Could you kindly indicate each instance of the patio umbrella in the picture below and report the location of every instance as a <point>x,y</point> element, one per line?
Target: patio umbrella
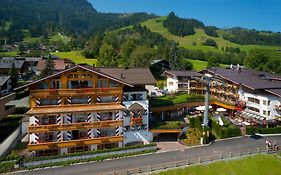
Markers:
<point>202,108</point>
<point>221,110</point>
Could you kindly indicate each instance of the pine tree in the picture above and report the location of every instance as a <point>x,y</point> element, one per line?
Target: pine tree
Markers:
<point>174,58</point>
<point>14,75</point>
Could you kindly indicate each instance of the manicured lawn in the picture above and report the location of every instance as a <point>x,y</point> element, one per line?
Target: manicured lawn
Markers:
<point>76,57</point>
<point>255,165</point>
<point>168,125</point>
<point>156,25</point>
<point>175,99</point>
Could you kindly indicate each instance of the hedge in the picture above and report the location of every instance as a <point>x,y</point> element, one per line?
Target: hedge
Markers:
<point>32,159</point>
<point>252,130</point>
<point>222,131</point>
<point>69,162</point>
<point>196,122</point>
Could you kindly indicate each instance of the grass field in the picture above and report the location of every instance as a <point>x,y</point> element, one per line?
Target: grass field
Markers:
<point>52,38</point>
<point>255,165</point>
<point>76,57</point>
<point>200,65</point>
<point>9,54</point>
<point>156,25</point>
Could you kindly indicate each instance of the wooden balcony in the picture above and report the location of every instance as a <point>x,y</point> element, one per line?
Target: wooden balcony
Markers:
<point>75,108</point>
<point>43,93</point>
<point>74,126</point>
<point>73,143</point>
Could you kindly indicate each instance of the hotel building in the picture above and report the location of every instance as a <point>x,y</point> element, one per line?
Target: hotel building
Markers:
<point>86,108</point>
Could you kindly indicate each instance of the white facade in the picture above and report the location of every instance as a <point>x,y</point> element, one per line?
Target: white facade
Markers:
<point>136,133</point>
<point>264,105</point>
<point>172,84</point>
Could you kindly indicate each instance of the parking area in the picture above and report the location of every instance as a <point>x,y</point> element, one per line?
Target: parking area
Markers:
<point>168,142</point>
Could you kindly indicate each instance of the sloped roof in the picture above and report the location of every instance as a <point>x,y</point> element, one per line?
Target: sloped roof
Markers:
<point>4,79</point>
<point>7,64</point>
<point>134,76</point>
<point>250,78</point>
<point>183,73</point>
<point>58,65</point>
<point>88,68</point>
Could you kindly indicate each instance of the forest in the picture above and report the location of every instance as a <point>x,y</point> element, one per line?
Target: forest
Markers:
<point>75,18</point>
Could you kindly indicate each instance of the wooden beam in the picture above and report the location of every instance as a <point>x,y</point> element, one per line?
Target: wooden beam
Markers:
<point>74,126</point>
<point>73,143</point>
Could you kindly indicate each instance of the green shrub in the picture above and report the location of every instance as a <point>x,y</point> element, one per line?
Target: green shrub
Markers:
<point>252,130</point>
<point>224,131</point>
<point>6,167</point>
<point>98,159</point>
<point>31,159</point>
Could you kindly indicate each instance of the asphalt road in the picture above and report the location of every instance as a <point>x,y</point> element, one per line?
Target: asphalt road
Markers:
<point>215,149</point>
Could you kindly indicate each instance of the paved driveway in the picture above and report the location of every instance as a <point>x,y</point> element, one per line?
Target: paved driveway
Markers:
<point>220,147</point>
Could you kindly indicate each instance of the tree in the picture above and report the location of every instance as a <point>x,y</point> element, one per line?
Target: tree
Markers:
<point>107,56</point>
<point>141,56</point>
<point>126,50</point>
<point>210,42</point>
<point>14,75</point>
<point>186,65</point>
<point>49,67</point>
<point>174,58</point>
<point>213,61</point>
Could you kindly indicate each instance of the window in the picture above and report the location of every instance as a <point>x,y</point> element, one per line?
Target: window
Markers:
<point>48,101</point>
<point>106,116</point>
<point>55,84</point>
<point>43,85</point>
<point>107,99</point>
<point>113,84</point>
<point>101,83</point>
<point>171,83</point>
<point>46,120</point>
<point>253,100</point>
<point>253,109</point>
<point>107,132</point>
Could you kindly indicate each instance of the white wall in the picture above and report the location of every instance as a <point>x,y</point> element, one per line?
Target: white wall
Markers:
<point>8,142</point>
<point>137,135</point>
<point>174,87</point>
<point>262,107</point>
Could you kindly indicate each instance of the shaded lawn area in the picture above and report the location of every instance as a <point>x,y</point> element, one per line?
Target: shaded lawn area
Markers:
<point>168,125</point>
<point>254,165</point>
<point>169,100</point>
<point>8,125</point>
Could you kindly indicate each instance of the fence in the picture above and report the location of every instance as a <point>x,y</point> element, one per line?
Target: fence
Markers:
<point>6,145</point>
<point>183,163</point>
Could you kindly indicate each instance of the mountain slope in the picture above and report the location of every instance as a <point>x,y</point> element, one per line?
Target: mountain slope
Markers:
<point>34,18</point>
<point>194,42</point>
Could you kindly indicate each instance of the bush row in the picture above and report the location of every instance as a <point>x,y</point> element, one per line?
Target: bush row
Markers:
<point>69,162</point>
<point>222,131</point>
<point>252,130</point>
<point>6,167</point>
<point>32,159</point>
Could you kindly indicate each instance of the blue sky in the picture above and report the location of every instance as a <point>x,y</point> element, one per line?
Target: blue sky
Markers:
<point>253,14</point>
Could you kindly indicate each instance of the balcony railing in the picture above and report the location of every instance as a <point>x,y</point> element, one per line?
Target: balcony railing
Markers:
<point>74,126</point>
<point>73,143</point>
<point>70,92</point>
